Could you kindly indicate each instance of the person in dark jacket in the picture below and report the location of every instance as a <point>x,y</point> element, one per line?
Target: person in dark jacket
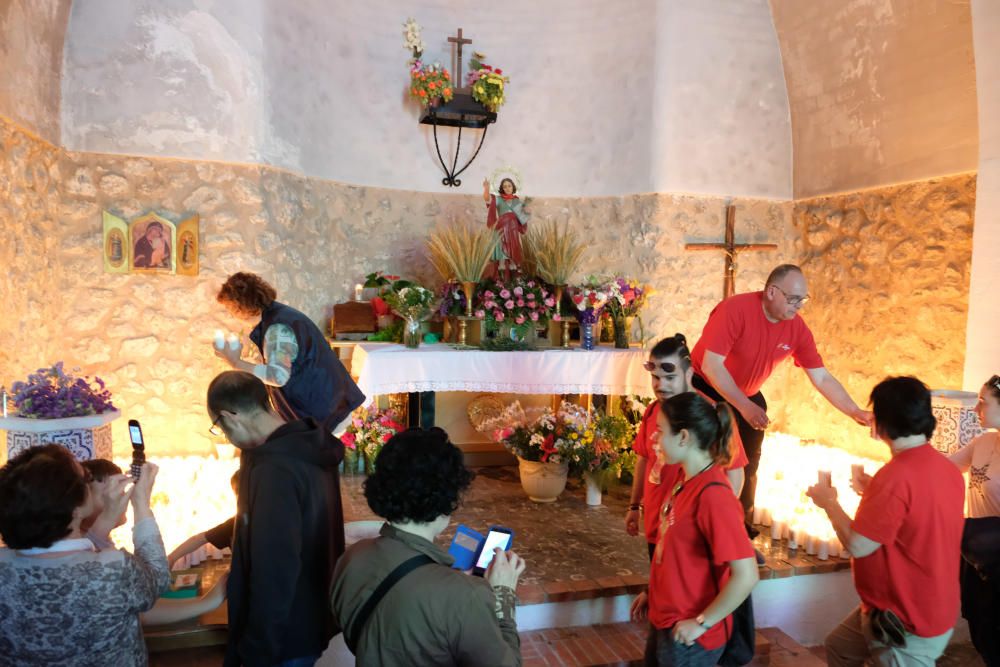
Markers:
<point>289,527</point>
<point>303,375</point>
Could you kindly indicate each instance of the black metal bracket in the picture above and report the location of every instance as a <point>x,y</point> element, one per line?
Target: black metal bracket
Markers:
<point>461,112</point>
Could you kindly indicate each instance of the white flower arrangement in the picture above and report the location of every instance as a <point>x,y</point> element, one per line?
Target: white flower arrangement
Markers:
<point>411,38</point>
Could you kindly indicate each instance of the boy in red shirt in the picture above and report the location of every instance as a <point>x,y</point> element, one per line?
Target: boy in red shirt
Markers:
<point>669,367</point>
<point>905,539</point>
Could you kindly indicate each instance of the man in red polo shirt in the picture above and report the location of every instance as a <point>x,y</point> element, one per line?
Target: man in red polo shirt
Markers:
<point>746,337</point>
<point>905,539</point>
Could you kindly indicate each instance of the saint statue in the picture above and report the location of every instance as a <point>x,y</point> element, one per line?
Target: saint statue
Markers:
<point>506,215</point>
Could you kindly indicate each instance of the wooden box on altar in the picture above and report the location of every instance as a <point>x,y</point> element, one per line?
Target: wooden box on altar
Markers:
<point>353,317</point>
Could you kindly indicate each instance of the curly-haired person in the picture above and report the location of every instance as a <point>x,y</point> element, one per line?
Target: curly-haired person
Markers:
<point>433,615</point>
<point>63,601</point>
<point>303,375</point>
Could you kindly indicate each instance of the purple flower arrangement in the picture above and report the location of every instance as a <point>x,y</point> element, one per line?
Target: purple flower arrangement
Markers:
<point>51,393</point>
<point>452,300</point>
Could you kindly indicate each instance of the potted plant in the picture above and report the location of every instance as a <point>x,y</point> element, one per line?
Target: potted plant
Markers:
<point>414,304</point>
<point>626,299</point>
<point>516,307</point>
<point>600,456</point>
<point>52,406</point>
<point>589,298</point>
<point>554,252</point>
<point>429,84</point>
<point>487,82</point>
<point>546,443</point>
<point>369,430</point>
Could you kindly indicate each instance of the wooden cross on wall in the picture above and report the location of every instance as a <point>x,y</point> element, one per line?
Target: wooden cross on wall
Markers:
<point>459,41</point>
<point>730,248</point>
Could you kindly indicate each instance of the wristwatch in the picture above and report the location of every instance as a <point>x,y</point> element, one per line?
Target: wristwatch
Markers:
<point>700,620</point>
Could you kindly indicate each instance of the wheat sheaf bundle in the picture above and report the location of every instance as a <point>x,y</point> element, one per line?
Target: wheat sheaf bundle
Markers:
<point>462,252</point>
<point>553,250</point>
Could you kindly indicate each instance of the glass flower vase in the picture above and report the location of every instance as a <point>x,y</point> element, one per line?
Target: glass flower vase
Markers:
<point>411,332</point>
<point>623,331</point>
<point>587,335</point>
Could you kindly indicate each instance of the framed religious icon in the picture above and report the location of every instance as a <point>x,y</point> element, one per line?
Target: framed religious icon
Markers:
<point>115,244</point>
<point>188,246</point>
<point>152,245</point>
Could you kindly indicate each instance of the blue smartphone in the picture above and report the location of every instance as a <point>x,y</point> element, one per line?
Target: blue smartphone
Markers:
<point>497,537</point>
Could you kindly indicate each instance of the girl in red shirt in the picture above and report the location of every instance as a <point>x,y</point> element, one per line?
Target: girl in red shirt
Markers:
<point>704,565</point>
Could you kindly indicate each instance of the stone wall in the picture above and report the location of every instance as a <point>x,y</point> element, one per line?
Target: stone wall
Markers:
<point>888,271</point>
<point>150,336</point>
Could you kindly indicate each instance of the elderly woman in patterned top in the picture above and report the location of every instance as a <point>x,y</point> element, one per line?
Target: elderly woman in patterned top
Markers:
<point>304,377</point>
<point>63,601</point>
<point>980,575</point>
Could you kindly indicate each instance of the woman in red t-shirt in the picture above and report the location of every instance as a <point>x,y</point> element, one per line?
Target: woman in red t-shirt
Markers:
<point>704,565</point>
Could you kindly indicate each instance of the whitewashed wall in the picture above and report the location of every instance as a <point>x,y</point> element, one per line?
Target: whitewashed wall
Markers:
<point>982,342</point>
<point>605,98</point>
<point>31,48</point>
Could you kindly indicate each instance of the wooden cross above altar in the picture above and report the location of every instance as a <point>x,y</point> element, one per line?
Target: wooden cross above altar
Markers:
<point>459,40</point>
<point>730,248</point>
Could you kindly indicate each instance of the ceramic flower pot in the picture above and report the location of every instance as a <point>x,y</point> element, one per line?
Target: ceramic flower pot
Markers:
<point>86,437</point>
<point>957,422</point>
<point>543,482</point>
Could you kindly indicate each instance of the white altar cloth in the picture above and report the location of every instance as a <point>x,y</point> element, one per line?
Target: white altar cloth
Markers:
<point>389,369</point>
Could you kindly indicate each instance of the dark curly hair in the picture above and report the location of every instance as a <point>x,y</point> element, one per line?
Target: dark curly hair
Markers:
<point>419,476</point>
<point>248,292</point>
<point>39,489</point>
<point>902,407</point>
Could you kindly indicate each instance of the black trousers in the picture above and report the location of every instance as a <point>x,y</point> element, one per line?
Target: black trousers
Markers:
<point>752,440</point>
<point>980,580</point>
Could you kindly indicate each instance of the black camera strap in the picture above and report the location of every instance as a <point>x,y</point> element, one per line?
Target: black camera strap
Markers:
<point>353,634</point>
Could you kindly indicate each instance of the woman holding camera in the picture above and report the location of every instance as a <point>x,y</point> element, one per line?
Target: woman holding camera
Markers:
<point>703,567</point>
<point>63,601</point>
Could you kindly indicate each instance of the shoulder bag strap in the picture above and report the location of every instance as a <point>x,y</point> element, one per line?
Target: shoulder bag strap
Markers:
<point>353,633</point>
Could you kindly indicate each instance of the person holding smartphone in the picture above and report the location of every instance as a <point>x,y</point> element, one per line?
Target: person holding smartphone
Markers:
<point>434,614</point>
<point>703,567</point>
<point>65,601</point>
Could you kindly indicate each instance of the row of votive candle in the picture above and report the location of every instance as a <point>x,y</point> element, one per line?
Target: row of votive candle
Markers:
<point>799,538</point>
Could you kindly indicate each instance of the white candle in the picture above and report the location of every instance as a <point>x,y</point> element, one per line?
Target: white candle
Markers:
<point>765,517</point>
<point>792,542</point>
<point>835,547</point>
<point>823,550</point>
<point>220,339</point>
<point>776,529</point>
<point>357,291</point>
<point>234,342</point>
<point>825,477</point>
<point>811,545</point>
<point>758,514</point>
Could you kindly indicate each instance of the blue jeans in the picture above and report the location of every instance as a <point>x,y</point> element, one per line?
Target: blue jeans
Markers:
<point>306,661</point>
<point>663,651</point>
